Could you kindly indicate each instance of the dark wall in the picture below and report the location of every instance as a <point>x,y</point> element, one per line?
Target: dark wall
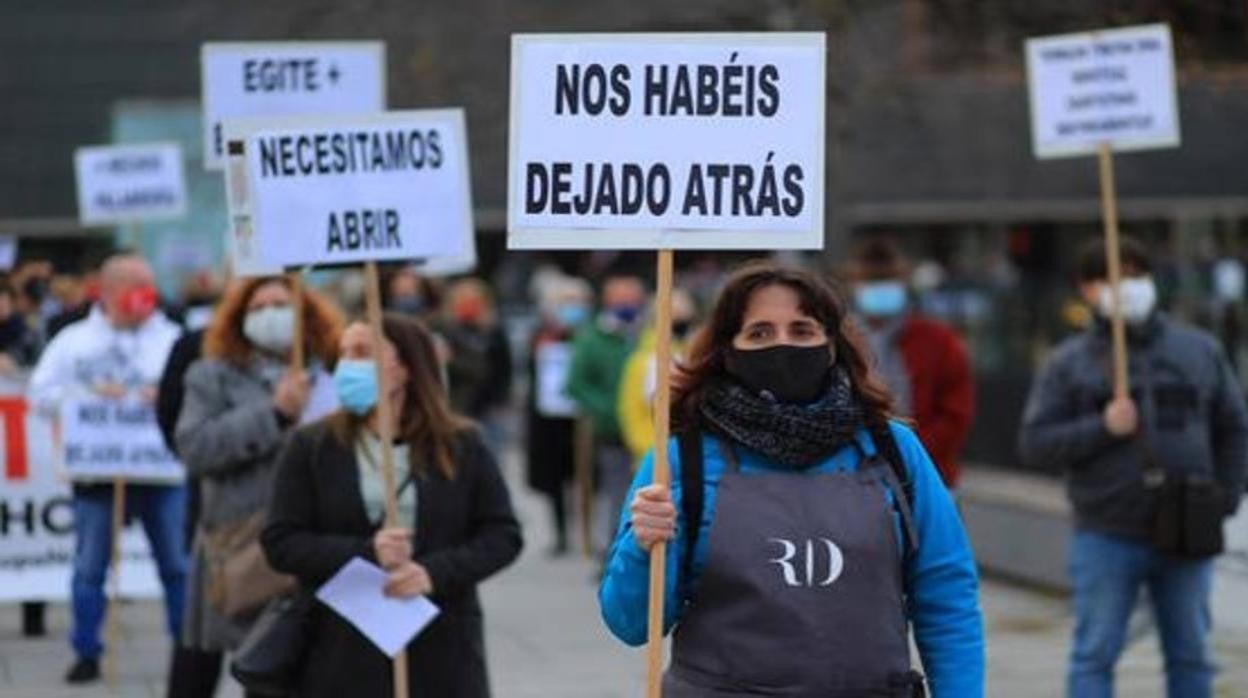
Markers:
<point>926,98</point>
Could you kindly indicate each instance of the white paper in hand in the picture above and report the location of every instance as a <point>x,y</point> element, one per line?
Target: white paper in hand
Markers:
<point>355,593</point>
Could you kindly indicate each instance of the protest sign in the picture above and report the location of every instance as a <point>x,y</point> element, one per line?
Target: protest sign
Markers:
<point>1115,86</point>
<point>1097,92</point>
<point>8,252</point>
<point>666,141</point>
<point>129,183</point>
<point>287,78</point>
<point>240,238</point>
<point>554,362</point>
<point>115,439</point>
<point>463,261</point>
<point>390,186</point>
<point>36,515</point>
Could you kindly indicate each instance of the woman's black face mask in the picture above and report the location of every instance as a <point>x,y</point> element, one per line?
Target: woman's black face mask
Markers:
<point>789,373</point>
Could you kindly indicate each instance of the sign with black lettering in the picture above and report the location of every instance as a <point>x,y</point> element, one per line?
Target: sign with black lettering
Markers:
<point>107,439</point>
<point>285,79</point>
<point>37,514</point>
<point>390,186</point>
<point>130,183</point>
<point>676,141</point>
<point>1114,86</point>
<point>240,239</point>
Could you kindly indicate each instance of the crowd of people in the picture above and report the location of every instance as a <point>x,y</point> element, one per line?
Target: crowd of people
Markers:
<point>817,426</point>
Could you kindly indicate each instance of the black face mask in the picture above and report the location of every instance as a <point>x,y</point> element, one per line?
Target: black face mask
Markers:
<point>11,330</point>
<point>791,374</point>
<point>35,289</point>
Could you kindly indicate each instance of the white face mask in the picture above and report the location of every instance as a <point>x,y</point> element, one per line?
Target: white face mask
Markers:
<point>1139,298</point>
<point>271,328</point>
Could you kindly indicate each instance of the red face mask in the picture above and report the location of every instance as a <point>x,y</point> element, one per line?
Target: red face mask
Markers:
<point>138,303</point>
<point>470,310</point>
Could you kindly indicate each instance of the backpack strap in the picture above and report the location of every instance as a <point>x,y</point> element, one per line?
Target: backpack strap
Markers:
<point>691,493</point>
<point>898,477</point>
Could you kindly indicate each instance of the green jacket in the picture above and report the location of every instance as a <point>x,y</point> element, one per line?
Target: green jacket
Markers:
<point>598,360</point>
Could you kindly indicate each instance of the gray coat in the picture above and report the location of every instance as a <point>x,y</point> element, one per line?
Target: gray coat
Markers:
<point>1192,418</point>
<point>228,435</point>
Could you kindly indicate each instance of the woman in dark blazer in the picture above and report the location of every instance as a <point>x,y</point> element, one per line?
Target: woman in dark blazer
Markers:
<point>456,521</point>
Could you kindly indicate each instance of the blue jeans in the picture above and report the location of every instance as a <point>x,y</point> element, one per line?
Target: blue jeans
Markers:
<point>1107,573</point>
<point>161,511</point>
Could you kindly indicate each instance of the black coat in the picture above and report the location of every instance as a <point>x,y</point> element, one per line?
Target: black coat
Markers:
<point>551,441</point>
<point>185,352</point>
<point>465,532</point>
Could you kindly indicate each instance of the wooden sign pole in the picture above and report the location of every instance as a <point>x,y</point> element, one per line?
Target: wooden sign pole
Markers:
<point>385,434</point>
<point>111,631</point>
<point>295,279</point>
<point>1113,264</point>
<point>112,621</point>
<point>583,453</point>
<point>662,473</point>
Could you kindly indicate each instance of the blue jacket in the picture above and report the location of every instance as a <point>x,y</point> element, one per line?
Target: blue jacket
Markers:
<point>941,581</point>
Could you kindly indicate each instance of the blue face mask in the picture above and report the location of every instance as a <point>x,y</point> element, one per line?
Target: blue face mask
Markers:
<point>571,315</point>
<point>355,381</point>
<point>411,305</point>
<point>881,298</point>
<point>626,314</point>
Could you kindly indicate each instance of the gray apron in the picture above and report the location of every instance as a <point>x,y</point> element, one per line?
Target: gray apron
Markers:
<point>801,594</point>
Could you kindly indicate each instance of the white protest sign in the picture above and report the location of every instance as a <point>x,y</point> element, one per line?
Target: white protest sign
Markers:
<point>107,439</point>
<point>130,183</point>
<point>37,512</point>
<point>240,238</point>
<point>462,262</point>
<point>339,190</point>
<point>553,363</point>
<point>676,141</point>
<point>1115,86</point>
<point>8,252</point>
<point>287,78</point>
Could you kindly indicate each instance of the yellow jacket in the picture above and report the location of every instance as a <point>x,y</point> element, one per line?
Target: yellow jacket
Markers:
<point>635,401</point>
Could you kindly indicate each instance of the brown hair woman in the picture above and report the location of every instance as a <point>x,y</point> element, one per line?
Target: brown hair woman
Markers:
<point>806,530</point>
<point>456,522</point>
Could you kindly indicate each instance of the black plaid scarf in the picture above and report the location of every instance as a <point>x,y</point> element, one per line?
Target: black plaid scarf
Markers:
<point>797,436</point>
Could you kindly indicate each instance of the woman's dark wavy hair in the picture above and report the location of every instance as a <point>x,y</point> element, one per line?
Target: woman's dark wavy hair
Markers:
<point>704,359</point>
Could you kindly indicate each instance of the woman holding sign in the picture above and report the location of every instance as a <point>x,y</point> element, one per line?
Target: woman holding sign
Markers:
<point>807,530</point>
<point>242,399</point>
<point>457,526</point>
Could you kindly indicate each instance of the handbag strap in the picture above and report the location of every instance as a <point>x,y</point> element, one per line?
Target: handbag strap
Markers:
<point>1152,472</point>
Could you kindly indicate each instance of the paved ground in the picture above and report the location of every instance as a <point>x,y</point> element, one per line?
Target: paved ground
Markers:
<point>545,639</point>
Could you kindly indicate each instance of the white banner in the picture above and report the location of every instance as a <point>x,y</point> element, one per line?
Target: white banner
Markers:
<point>1115,86</point>
<point>106,439</point>
<point>36,517</point>
<point>130,183</point>
<point>554,363</point>
<point>390,186</point>
<point>287,78</point>
<point>680,141</point>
